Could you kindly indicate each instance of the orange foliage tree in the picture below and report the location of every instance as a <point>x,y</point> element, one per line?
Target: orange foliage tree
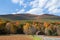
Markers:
<point>46,24</point>
<point>17,23</point>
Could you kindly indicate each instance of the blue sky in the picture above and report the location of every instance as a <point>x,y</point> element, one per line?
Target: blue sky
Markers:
<point>30,6</point>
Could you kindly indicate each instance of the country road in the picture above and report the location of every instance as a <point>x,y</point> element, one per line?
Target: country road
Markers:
<point>29,37</point>
<point>16,37</point>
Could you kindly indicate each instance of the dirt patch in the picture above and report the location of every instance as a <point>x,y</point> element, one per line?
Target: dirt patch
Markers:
<point>16,37</point>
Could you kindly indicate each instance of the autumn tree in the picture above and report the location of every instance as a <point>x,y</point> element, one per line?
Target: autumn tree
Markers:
<point>40,29</point>
<point>57,28</point>
<point>29,29</point>
<point>51,30</point>
<point>46,24</point>
<point>10,28</point>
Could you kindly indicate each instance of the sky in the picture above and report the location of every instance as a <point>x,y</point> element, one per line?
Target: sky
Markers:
<point>37,7</point>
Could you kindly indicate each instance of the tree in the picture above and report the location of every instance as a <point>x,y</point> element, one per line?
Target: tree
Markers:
<point>50,30</point>
<point>10,28</point>
<point>29,29</point>
<point>46,24</point>
<point>58,29</point>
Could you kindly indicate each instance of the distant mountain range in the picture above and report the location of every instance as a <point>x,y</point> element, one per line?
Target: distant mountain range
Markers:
<point>29,17</point>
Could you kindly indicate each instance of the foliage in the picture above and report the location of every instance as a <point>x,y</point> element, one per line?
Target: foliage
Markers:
<point>29,27</point>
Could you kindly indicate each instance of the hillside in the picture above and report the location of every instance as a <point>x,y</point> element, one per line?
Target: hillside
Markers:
<point>29,17</point>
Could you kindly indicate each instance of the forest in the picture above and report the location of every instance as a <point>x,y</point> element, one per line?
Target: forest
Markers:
<point>29,28</point>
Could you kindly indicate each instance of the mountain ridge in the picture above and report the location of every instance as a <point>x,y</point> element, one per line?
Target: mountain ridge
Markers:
<point>29,16</point>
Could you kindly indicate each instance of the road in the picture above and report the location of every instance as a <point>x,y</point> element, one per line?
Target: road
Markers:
<point>16,37</point>
<point>29,37</point>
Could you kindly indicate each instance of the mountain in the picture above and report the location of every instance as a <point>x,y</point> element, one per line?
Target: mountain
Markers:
<point>18,16</point>
<point>29,17</point>
<point>49,16</point>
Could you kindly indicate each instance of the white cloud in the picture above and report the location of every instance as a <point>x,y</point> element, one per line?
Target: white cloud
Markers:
<point>35,11</point>
<point>21,11</point>
<point>34,3</point>
<point>51,3</point>
<point>14,13</point>
<point>18,12</point>
<point>18,1</point>
<point>42,3</point>
<point>56,11</point>
<point>15,1</point>
<point>21,2</point>
<point>39,5</point>
<point>52,6</point>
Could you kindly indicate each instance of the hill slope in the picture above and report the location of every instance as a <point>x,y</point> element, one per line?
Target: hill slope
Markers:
<point>29,17</point>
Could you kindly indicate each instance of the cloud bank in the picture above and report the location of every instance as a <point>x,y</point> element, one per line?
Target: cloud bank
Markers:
<point>39,6</point>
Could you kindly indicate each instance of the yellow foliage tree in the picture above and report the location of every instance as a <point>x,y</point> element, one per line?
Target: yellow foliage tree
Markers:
<point>10,28</point>
<point>26,28</point>
<point>29,29</point>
